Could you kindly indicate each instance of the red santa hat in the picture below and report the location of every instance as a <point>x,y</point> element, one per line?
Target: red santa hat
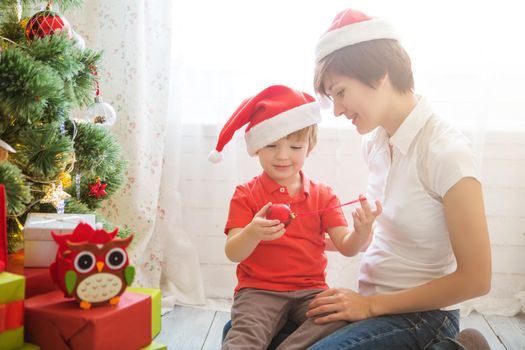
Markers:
<point>351,27</point>
<point>272,114</point>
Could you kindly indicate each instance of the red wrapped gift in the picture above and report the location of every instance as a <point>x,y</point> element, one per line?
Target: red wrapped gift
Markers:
<point>38,279</point>
<point>55,323</point>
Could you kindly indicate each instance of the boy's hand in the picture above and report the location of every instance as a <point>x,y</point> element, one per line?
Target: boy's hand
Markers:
<point>263,229</point>
<point>364,218</point>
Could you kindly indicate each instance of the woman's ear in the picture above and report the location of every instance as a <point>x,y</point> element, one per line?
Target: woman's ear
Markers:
<point>384,79</point>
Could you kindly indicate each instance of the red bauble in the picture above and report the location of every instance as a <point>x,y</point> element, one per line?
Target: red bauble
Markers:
<point>281,212</point>
<point>46,23</point>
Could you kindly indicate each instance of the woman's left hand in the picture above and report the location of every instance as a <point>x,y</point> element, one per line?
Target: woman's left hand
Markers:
<point>338,304</point>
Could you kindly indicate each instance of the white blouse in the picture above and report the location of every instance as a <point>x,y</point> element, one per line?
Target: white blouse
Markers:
<point>411,244</point>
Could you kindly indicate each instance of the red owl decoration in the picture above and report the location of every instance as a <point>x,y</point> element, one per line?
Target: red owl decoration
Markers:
<point>92,266</point>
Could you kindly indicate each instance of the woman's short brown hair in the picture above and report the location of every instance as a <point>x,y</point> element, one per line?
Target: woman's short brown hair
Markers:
<point>368,62</point>
<point>308,133</point>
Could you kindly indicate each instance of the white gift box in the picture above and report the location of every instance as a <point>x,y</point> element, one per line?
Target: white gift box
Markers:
<point>39,247</point>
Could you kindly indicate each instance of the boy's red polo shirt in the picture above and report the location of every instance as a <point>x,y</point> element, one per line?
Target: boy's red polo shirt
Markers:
<point>296,260</point>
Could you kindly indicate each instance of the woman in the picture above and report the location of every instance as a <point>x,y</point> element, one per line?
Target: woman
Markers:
<point>431,248</point>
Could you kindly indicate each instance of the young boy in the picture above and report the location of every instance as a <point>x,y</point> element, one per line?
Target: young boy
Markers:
<point>281,269</point>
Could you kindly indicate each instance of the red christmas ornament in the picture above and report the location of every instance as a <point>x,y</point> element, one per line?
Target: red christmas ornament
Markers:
<point>281,212</point>
<point>98,189</point>
<point>46,23</point>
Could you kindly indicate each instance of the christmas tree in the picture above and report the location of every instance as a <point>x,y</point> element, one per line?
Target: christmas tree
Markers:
<point>49,161</point>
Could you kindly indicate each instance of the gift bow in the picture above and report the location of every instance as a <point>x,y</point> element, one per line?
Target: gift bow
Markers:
<point>11,315</point>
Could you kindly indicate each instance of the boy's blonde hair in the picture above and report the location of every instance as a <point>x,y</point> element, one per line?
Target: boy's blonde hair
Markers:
<point>308,133</point>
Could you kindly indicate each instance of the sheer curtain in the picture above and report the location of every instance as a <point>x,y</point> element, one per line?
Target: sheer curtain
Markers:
<point>137,78</point>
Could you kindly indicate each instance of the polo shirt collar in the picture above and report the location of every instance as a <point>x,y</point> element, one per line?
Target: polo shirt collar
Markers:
<point>271,186</point>
<point>413,123</point>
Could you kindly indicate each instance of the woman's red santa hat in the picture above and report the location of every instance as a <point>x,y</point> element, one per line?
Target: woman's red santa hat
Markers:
<point>351,27</point>
<point>274,113</point>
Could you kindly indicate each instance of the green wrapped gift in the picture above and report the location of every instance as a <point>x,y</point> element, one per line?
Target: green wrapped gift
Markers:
<point>12,339</point>
<point>12,287</point>
<point>155,307</point>
<point>155,346</point>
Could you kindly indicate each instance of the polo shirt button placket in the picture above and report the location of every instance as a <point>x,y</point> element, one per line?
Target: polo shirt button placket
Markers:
<point>282,189</point>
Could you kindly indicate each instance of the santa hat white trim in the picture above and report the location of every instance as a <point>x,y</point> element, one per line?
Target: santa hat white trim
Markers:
<point>372,29</point>
<point>279,126</point>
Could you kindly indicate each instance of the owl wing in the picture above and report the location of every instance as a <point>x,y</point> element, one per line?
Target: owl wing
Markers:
<point>129,274</point>
<point>70,280</point>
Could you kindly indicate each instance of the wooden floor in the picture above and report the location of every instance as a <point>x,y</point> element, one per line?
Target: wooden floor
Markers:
<point>187,328</point>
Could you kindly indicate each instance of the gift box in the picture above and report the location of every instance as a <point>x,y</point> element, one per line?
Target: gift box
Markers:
<point>155,346</point>
<point>39,247</point>
<point>56,323</point>
<point>38,279</point>
<point>11,311</point>
<point>155,295</point>
<point>12,339</point>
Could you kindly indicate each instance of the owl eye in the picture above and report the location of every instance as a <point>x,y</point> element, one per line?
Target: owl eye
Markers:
<point>116,258</point>
<point>84,261</point>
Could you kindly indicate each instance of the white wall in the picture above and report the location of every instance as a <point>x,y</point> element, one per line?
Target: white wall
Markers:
<point>205,210</point>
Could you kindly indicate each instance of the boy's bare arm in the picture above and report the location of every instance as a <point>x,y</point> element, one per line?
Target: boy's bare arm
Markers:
<point>242,241</point>
<point>346,242</point>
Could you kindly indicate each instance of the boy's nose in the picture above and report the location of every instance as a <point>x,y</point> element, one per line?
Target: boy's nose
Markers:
<point>281,153</point>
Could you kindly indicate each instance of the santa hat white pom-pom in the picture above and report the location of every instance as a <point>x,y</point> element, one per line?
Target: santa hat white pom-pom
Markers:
<point>214,156</point>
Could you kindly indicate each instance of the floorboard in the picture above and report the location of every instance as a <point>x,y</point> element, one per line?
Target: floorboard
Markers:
<point>185,328</point>
<point>511,330</point>
<point>214,338</point>
<point>477,321</point>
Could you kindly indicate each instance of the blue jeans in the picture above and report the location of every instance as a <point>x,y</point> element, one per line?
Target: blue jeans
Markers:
<point>433,330</point>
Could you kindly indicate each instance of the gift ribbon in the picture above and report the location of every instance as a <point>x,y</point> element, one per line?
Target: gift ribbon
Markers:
<point>47,220</point>
<point>11,315</point>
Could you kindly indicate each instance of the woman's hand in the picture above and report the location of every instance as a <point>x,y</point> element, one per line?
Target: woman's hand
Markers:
<point>338,304</point>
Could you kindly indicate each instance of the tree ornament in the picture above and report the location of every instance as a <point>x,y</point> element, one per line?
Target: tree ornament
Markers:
<point>47,22</point>
<point>281,212</point>
<point>4,150</point>
<point>77,185</point>
<point>92,266</point>
<point>284,214</point>
<point>79,41</point>
<point>98,189</point>
<point>65,179</point>
<point>55,195</point>
<point>101,113</point>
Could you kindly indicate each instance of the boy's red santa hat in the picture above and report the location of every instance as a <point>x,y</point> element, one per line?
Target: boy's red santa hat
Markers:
<point>271,115</point>
<point>351,27</point>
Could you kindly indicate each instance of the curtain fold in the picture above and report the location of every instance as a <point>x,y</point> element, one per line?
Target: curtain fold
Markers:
<point>137,79</point>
